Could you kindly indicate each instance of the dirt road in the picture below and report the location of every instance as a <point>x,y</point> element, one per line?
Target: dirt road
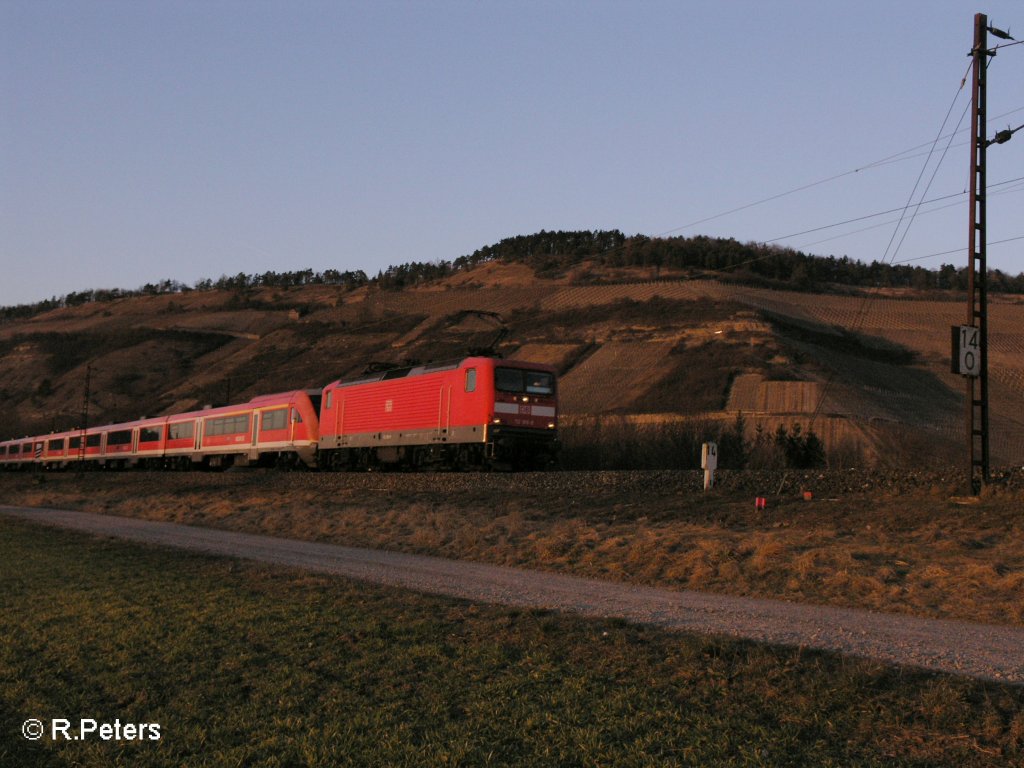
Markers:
<point>975,650</point>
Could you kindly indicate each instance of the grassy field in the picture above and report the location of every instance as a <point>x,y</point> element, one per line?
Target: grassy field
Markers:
<point>247,665</point>
<point>921,551</point>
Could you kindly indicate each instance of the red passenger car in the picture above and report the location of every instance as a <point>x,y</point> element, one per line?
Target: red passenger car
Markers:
<point>479,411</point>
<point>55,453</point>
<point>150,438</point>
<point>276,429</point>
<point>271,429</point>
<point>10,454</point>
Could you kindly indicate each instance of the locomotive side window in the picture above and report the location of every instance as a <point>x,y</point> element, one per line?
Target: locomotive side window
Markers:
<point>93,441</point>
<point>296,416</point>
<point>55,445</point>
<point>471,380</point>
<point>75,443</point>
<point>148,435</point>
<point>15,450</point>
<point>274,419</point>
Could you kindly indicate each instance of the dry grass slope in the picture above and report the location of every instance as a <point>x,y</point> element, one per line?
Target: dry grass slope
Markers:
<point>917,551</point>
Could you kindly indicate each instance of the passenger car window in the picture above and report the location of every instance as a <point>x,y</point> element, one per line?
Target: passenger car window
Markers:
<point>274,420</point>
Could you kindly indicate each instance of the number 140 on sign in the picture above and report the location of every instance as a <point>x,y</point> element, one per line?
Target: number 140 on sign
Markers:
<point>966,350</point>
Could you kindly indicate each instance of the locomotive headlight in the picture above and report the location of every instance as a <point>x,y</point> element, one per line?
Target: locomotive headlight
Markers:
<point>551,425</point>
<point>495,421</point>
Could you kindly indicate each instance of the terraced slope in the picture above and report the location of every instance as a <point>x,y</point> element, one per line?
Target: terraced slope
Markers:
<point>659,349</point>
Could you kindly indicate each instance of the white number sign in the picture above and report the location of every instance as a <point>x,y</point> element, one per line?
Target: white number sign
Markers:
<point>967,350</point>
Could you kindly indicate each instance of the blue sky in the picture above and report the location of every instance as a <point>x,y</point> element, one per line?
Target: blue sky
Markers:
<point>150,140</point>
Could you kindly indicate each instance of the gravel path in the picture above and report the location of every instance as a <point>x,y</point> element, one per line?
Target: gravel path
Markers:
<point>976,650</point>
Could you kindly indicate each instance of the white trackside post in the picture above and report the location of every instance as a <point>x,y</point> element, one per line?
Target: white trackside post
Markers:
<point>709,463</point>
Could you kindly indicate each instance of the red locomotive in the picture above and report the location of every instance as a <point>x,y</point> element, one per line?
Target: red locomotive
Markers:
<point>475,412</point>
<point>479,412</point>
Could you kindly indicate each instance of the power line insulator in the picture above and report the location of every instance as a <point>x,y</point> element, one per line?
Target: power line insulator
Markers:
<point>1003,136</point>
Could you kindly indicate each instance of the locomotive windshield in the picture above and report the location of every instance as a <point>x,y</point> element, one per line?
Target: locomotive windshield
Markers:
<point>516,380</point>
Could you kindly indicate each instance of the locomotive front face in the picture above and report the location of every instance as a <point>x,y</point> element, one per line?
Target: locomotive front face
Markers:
<point>524,398</point>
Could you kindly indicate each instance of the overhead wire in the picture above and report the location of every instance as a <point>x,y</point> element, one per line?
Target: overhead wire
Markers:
<point>1006,45</point>
<point>957,250</point>
<point>888,160</point>
<point>860,218</point>
<point>861,314</point>
<point>913,192</point>
<point>896,157</point>
<point>936,209</point>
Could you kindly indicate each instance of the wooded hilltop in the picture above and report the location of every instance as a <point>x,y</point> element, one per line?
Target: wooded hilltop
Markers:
<point>552,253</point>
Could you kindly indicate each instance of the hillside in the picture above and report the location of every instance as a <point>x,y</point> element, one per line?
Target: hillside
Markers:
<point>629,349</point>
